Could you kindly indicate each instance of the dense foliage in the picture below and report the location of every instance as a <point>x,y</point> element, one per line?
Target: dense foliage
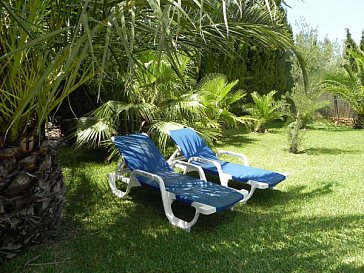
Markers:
<point>266,109</point>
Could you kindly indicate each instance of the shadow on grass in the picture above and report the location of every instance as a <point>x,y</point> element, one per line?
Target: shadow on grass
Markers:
<point>84,194</point>
<point>235,138</point>
<point>70,157</point>
<point>330,151</point>
<point>274,197</point>
<point>139,238</point>
<point>331,128</point>
<point>133,235</point>
<point>102,233</point>
<point>240,241</point>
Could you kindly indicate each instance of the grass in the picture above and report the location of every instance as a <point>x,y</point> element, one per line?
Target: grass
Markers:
<point>312,222</point>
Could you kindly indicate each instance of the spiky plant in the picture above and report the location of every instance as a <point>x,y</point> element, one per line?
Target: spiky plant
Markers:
<point>158,101</point>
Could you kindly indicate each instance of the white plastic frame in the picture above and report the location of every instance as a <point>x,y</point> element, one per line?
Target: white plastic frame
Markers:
<point>224,178</point>
<point>167,197</point>
<point>242,157</point>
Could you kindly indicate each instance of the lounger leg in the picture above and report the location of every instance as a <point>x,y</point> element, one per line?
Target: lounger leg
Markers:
<point>167,199</point>
<point>224,180</point>
<point>250,194</point>
<point>255,185</point>
<point>167,204</point>
<point>131,183</point>
<point>173,156</point>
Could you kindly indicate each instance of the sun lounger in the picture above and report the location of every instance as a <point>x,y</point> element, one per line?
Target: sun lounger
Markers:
<point>147,167</point>
<point>195,150</point>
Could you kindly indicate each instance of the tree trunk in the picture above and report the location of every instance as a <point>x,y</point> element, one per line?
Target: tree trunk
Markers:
<point>359,122</point>
<point>31,198</point>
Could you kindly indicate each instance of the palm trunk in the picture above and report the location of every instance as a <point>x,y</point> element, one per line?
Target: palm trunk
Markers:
<point>358,122</point>
<point>31,198</point>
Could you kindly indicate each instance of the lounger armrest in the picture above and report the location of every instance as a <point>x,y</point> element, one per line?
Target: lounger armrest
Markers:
<point>152,176</point>
<point>243,158</point>
<point>207,161</point>
<point>190,166</point>
<point>175,156</point>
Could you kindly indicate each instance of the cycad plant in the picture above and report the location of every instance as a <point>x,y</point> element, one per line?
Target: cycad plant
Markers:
<point>266,109</point>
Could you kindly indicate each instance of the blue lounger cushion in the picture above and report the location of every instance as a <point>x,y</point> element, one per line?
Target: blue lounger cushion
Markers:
<point>244,173</point>
<point>192,145</point>
<point>140,153</point>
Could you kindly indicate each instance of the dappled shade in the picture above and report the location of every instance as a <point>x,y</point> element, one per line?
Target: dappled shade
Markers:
<point>140,153</point>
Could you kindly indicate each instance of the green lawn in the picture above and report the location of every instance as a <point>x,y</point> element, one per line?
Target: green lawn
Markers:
<point>312,222</point>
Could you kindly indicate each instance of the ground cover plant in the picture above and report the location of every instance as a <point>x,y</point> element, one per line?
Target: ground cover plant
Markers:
<point>312,222</point>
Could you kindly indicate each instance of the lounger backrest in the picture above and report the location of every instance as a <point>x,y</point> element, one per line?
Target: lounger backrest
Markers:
<point>191,144</point>
<point>140,153</point>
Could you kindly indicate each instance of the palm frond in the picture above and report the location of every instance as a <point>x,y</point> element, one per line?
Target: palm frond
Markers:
<point>92,131</point>
<point>159,131</point>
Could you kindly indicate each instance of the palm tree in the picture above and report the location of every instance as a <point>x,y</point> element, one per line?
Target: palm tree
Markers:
<point>191,28</point>
<point>39,67</point>
<point>174,29</point>
<point>351,89</point>
<point>218,97</point>
<point>158,101</point>
<point>49,48</point>
<point>266,109</point>
<point>350,86</point>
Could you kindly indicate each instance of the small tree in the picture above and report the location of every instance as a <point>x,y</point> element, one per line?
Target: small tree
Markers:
<point>321,57</point>
<point>295,135</point>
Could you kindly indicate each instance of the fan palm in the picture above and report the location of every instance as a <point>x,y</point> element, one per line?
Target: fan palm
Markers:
<point>218,96</point>
<point>158,101</point>
<point>266,109</point>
